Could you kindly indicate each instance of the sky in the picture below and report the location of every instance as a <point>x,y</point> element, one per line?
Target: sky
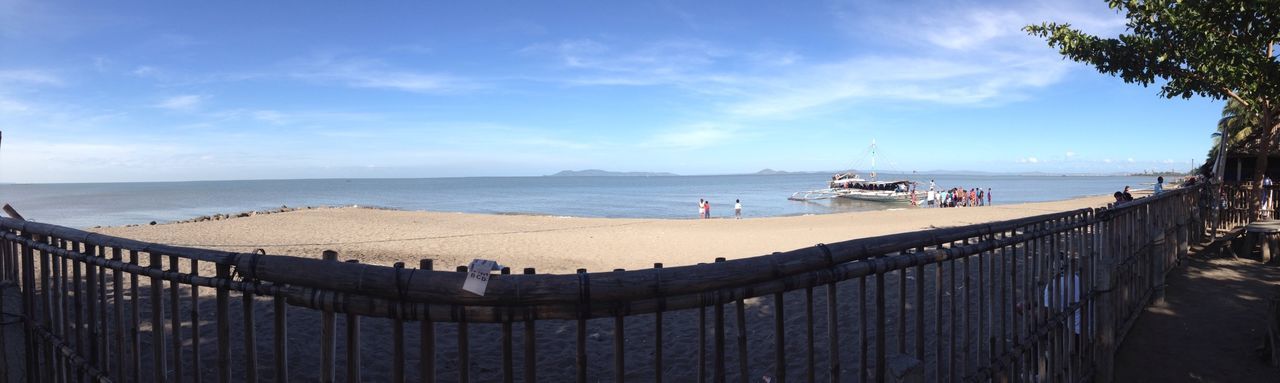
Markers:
<point>173,91</point>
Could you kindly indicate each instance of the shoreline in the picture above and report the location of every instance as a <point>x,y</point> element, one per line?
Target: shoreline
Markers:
<point>555,244</point>
<point>286,209</point>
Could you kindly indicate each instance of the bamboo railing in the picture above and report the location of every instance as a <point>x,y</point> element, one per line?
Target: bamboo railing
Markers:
<point>988,302</point>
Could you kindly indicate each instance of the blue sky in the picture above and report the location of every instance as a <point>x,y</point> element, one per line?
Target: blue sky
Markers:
<point>157,91</point>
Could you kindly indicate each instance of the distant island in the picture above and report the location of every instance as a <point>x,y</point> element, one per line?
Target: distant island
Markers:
<point>771,172</point>
<point>606,173</point>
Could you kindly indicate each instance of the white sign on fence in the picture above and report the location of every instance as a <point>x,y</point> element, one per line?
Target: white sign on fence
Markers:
<point>478,276</point>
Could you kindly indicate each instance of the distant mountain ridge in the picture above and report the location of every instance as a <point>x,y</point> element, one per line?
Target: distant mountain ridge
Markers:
<point>771,172</point>
<point>606,173</point>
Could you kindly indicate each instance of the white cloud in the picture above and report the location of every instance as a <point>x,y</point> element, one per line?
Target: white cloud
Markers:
<point>694,136</point>
<point>186,102</point>
<point>29,77</point>
<point>1070,154</point>
<point>144,71</point>
<point>370,73</point>
<point>13,106</point>
<point>1029,160</point>
<point>1129,160</point>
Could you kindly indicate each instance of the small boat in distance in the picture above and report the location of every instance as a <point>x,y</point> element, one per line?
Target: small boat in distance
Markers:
<point>848,185</point>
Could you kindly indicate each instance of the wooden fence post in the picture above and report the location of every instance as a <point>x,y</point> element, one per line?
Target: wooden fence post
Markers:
<point>328,336</point>
<point>1106,235</point>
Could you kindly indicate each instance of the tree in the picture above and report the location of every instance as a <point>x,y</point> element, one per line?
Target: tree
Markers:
<point>1237,123</point>
<point>1221,49</point>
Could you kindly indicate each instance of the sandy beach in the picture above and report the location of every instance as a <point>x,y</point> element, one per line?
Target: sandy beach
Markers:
<point>561,245</point>
<point>556,244</point>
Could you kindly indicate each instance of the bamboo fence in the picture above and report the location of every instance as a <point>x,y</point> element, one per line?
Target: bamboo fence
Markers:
<point>1040,298</point>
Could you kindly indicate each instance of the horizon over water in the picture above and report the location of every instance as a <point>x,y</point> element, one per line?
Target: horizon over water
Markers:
<point>84,205</point>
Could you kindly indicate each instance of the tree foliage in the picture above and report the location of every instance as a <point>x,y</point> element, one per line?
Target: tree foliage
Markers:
<point>1222,49</point>
<point>1213,48</point>
<point>1237,122</point>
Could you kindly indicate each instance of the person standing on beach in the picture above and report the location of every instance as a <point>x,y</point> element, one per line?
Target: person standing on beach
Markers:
<point>988,196</point>
<point>737,209</point>
<point>702,208</point>
<point>708,210</point>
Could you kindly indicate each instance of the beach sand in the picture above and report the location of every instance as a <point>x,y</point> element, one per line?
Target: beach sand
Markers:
<point>556,244</point>
<point>561,245</point>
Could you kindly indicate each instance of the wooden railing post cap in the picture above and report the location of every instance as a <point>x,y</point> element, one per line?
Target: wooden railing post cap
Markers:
<point>329,255</point>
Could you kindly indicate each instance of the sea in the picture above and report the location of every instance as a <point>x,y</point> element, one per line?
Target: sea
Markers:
<point>84,205</point>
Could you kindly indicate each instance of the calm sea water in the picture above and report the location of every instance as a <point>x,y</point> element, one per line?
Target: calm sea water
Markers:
<point>86,205</point>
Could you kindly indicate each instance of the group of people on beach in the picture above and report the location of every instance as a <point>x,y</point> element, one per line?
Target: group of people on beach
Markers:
<point>704,209</point>
<point>1124,196</point>
<point>957,197</point>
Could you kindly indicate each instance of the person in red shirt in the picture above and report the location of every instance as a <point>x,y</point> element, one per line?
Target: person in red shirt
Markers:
<point>708,204</point>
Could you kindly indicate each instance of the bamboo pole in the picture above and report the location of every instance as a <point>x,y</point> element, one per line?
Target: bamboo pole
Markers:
<point>779,338</point>
<point>427,345</point>
<point>117,290</point>
<point>281,338</point>
<point>833,336</point>
<point>175,320</point>
<point>135,339</point>
<point>354,362</point>
<point>881,352</point>
<point>741,321</point>
<point>584,293</point>
<point>91,312</point>
<point>808,318</point>
<point>508,347</point>
<point>223,323</point>
<point>464,346</point>
<point>48,280</point>
<point>328,335</point>
<point>196,369</point>
<point>531,343</point>
<point>250,337</point>
<point>657,331</point>
<point>397,335</point>
<point>159,367</point>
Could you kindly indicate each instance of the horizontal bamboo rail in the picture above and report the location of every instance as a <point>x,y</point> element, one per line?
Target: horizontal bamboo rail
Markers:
<point>1033,298</point>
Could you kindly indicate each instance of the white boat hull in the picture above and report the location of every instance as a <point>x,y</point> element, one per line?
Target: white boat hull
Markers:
<point>853,194</point>
<point>884,196</point>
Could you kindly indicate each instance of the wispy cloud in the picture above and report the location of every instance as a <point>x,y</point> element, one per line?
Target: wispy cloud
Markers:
<point>144,71</point>
<point>28,77</point>
<point>669,62</point>
<point>374,73</point>
<point>186,102</point>
<point>8,105</point>
<point>694,136</point>
<point>950,55</point>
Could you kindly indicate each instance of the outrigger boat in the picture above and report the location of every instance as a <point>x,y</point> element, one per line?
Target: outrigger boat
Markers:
<point>848,185</point>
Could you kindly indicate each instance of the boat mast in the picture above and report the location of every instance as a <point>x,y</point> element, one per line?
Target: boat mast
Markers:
<point>873,159</point>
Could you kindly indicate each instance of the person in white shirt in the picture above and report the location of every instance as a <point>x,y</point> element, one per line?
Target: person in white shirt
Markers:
<point>737,209</point>
<point>702,208</point>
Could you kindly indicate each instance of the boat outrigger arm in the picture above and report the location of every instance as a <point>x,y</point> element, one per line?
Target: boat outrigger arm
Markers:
<point>815,195</point>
